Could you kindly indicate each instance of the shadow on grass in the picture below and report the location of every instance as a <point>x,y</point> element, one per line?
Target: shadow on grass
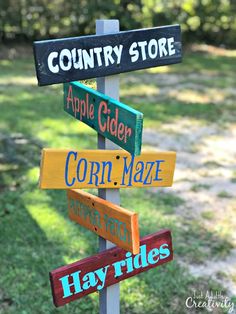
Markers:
<point>37,235</point>
<point>29,248</point>
<point>40,238</point>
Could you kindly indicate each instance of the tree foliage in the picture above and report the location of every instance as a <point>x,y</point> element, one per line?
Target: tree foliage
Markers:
<point>211,21</point>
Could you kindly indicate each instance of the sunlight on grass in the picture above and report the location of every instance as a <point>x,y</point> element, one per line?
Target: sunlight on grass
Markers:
<point>19,80</point>
<point>162,69</point>
<point>33,175</point>
<point>56,227</point>
<point>67,134</point>
<point>4,97</point>
<point>5,62</point>
<point>201,97</point>
<point>212,50</point>
<point>140,90</point>
<point>38,234</point>
<point>59,126</point>
<point>134,297</point>
<point>223,230</point>
<point>22,96</point>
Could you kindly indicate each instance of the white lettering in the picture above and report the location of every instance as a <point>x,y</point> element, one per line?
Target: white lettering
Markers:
<point>118,52</point>
<point>65,60</point>
<point>88,58</point>
<point>98,51</point>
<point>133,53</point>
<point>53,68</point>
<point>152,44</point>
<point>162,48</point>
<point>171,48</point>
<point>143,44</point>
<point>107,55</point>
<point>78,64</point>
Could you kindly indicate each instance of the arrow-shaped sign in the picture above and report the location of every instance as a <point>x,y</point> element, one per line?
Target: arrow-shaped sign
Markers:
<point>96,272</point>
<point>78,58</point>
<point>114,120</point>
<point>67,169</point>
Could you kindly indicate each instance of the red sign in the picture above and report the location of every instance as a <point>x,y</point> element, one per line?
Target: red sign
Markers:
<point>94,273</point>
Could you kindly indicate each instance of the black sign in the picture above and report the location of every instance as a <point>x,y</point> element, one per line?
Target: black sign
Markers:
<point>78,58</point>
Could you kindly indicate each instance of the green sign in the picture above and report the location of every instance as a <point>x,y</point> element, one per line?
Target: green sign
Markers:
<point>109,117</point>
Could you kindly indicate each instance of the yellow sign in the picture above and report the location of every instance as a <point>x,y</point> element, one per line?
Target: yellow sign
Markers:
<point>71,169</point>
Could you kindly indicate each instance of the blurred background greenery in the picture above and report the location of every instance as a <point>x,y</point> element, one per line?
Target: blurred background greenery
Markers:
<point>210,21</point>
<point>189,108</point>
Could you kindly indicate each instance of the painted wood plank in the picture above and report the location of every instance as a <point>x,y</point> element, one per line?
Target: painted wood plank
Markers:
<point>106,219</point>
<point>114,120</point>
<point>67,169</point>
<point>92,274</point>
<point>77,58</point>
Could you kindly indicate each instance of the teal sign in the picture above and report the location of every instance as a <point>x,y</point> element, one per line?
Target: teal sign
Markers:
<point>114,120</point>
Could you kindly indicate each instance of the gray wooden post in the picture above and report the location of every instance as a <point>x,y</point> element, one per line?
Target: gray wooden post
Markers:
<point>109,298</point>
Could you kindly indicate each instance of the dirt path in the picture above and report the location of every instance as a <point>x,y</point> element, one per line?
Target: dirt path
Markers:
<point>205,178</point>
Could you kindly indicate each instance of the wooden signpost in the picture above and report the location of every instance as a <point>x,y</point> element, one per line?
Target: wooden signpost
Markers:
<point>66,169</point>
<point>109,298</point>
<point>116,121</point>
<point>96,272</point>
<point>108,168</point>
<point>106,219</point>
<point>78,58</point>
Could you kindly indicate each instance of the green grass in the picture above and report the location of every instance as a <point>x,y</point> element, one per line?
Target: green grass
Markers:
<point>224,194</point>
<point>36,233</point>
<point>208,215</point>
<point>216,72</point>
<point>199,187</point>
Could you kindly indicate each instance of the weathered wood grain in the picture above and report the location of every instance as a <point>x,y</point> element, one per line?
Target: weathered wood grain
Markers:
<point>67,169</point>
<point>92,274</point>
<point>106,219</point>
<point>71,59</point>
<point>114,120</point>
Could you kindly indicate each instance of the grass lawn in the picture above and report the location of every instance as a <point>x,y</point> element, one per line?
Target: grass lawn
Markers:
<point>35,231</point>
